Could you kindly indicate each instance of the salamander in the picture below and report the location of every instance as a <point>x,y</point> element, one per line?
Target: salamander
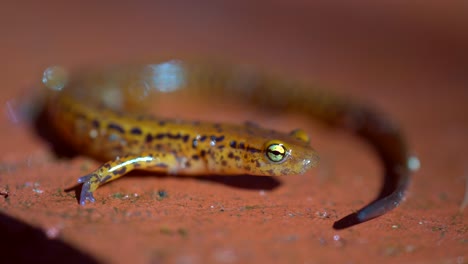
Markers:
<point>101,113</point>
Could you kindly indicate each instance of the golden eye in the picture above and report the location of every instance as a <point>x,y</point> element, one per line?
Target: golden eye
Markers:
<point>276,152</point>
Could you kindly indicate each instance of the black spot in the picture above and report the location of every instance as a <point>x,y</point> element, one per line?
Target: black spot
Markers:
<point>253,150</point>
<point>233,144</point>
<point>202,138</point>
<point>241,145</point>
<point>237,158</point>
<point>247,168</point>
<point>223,163</point>
<point>149,138</point>
<point>122,171</point>
<point>195,157</point>
<point>188,164</point>
<point>217,139</point>
<point>96,123</point>
<point>186,138</point>
<point>162,123</point>
<point>220,146</point>
<point>175,136</point>
<point>160,136</point>
<point>116,127</point>
<point>136,131</point>
<point>231,155</point>
<point>202,153</point>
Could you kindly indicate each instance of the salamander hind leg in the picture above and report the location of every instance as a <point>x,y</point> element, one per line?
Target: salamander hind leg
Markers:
<point>162,162</point>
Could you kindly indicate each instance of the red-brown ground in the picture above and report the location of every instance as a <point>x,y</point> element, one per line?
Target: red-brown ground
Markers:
<point>409,60</point>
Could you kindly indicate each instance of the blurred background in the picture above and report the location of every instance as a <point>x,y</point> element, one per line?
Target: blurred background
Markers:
<point>382,43</point>
<point>408,57</point>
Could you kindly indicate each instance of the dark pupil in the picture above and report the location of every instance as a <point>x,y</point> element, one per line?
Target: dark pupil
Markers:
<point>276,153</point>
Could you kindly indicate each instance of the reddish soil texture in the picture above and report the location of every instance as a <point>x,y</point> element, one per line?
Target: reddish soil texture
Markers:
<point>409,60</point>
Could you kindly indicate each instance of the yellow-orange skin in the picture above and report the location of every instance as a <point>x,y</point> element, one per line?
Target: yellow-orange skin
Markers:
<point>129,141</point>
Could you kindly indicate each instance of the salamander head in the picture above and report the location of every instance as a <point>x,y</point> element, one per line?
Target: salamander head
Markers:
<point>284,155</point>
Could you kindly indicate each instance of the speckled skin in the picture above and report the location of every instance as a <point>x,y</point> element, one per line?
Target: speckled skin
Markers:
<point>90,116</point>
<point>132,141</point>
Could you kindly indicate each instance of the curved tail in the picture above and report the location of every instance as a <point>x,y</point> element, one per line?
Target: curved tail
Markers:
<point>373,127</point>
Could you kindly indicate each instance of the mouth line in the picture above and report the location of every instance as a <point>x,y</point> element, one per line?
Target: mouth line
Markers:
<point>309,162</point>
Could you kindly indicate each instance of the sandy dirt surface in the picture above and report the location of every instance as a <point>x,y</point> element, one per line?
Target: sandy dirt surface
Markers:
<point>409,60</point>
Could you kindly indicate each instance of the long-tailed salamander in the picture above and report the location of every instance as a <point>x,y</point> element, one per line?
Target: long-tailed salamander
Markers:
<point>99,113</point>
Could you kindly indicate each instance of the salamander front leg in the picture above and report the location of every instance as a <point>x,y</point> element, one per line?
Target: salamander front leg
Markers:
<point>162,162</point>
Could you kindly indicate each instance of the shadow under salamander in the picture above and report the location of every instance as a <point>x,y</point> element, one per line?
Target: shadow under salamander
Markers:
<point>248,182</point>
